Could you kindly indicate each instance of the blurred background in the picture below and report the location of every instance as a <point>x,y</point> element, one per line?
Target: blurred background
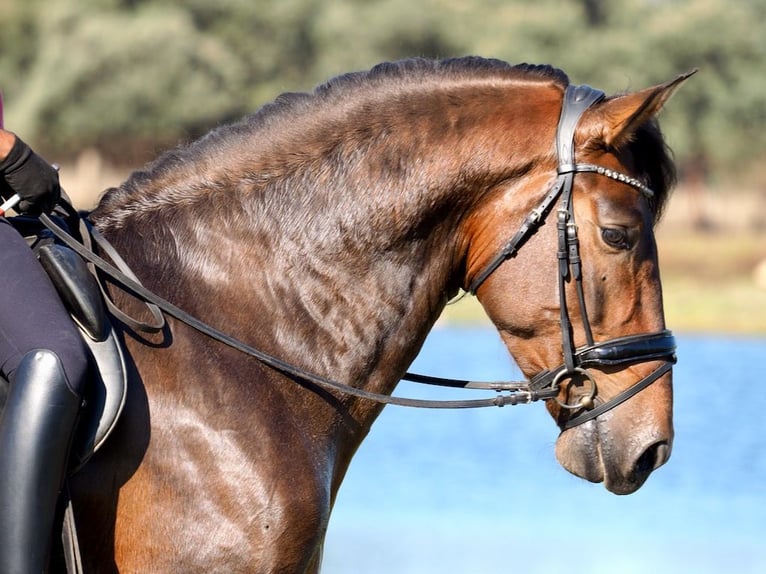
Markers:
<point>102,86</point>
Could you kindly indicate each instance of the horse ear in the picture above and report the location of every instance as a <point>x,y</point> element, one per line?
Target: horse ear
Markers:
<point>614,121</point>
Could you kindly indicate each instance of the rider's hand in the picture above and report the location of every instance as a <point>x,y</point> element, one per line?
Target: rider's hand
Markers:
<point>35,180</point>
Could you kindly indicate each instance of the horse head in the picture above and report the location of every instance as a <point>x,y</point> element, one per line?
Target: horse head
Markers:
<point>589,278</point>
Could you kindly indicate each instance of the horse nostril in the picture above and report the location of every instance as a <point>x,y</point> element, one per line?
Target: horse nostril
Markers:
<point>653,457</point>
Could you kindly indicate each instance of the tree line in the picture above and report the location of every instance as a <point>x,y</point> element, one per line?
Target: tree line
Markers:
<point>131,77</point>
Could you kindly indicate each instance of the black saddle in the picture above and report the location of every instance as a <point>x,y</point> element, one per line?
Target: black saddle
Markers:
<point>82,297</point>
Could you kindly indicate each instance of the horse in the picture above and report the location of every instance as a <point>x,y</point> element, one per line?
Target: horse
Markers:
<point>330,229</point>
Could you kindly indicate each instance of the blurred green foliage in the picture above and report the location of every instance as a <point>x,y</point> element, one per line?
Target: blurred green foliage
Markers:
<point>129,77</point>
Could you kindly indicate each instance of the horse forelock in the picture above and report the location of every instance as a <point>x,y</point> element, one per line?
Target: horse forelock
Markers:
<point>654,164</point>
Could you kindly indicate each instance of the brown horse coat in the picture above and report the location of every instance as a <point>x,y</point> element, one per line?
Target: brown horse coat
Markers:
<point>330,229</point>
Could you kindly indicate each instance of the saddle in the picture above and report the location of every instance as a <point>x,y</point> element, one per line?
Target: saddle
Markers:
<point>82,297</point>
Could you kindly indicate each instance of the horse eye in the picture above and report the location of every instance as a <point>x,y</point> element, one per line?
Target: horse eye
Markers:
<point>615,237</point>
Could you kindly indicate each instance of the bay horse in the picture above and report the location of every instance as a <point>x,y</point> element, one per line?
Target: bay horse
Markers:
<point>330,229</point>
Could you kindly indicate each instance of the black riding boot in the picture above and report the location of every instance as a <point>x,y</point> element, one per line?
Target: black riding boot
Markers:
<point>36,428</point>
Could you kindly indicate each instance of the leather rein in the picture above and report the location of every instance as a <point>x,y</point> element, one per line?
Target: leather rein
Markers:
<point>620,351</point>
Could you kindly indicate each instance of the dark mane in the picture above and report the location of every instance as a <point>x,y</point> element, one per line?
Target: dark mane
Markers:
<point>173,177</point>
<point>394,77</point>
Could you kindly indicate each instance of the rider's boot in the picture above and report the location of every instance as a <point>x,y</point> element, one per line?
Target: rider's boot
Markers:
<point>36,429</point>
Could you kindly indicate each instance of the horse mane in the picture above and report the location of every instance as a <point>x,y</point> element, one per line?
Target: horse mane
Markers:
<point>396,77</point>
<point>189,172</point>
<point>178,176</point>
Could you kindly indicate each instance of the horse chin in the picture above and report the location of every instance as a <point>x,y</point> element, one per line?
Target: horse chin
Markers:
<point>592,451</point>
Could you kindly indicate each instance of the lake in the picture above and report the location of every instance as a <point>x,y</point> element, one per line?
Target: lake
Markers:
<point>480,491</point>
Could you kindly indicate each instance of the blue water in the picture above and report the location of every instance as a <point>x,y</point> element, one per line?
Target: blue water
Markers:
<point>480,491</point>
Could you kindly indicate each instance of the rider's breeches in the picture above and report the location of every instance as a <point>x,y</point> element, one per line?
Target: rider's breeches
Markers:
<point>31,314</point>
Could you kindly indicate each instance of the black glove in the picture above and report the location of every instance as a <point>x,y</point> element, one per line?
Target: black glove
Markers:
<point>35,180</point>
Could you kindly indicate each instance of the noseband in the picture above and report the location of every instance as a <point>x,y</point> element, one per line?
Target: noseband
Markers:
<point>621,351</point>
<point>546,385</point>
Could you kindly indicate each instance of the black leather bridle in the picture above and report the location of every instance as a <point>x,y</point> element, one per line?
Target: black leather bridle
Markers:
<point>619,352</point>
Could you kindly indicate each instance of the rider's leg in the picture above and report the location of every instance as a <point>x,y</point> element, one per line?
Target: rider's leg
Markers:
<point>44,358</point>
<point>35,435</point>
<point>32,315</point>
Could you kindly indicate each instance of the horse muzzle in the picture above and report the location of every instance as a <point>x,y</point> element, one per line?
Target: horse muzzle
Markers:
<point>622,447</point>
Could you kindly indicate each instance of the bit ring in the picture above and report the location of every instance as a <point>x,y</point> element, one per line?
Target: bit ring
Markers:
<point>585,401</point>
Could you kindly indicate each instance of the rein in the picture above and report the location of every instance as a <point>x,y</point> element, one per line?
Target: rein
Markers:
<point>517,392</point>
<point>620,351</point>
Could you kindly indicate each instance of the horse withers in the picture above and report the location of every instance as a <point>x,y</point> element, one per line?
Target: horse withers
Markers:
<point>329,230</point>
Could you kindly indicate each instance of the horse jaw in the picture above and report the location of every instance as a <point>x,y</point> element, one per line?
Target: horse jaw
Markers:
<point>598,452</point>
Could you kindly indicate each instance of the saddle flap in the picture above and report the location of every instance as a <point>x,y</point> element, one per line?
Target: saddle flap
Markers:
<point>105,398</point>
<point>77,288</point>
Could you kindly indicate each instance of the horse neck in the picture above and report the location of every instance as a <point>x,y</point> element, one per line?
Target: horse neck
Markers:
<point>347,276</point>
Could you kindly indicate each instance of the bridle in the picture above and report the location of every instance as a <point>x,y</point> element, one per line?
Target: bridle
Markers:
<point>546,385</point>
<point>617,352</point>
